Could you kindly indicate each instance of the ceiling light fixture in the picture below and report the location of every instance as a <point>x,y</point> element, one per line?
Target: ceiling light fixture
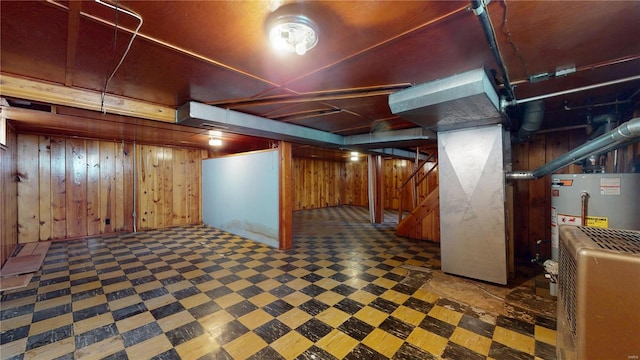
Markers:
<point>215,138</point>
<point>293,33</point>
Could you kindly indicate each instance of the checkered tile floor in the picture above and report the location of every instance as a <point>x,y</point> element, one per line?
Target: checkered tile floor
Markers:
<point>201,293</point>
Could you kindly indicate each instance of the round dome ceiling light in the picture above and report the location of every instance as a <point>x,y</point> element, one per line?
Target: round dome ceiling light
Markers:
<point>293,33</point>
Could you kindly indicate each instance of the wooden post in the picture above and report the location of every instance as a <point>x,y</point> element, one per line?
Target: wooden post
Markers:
<point>376,189</point>
<point>285,235</point>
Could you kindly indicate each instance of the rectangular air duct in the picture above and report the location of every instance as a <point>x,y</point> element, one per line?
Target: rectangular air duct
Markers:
<point>473,205</point>
<point>459,101</point>
<point>383,142</point>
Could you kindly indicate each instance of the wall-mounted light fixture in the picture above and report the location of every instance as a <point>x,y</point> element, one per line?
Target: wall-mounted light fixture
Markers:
<point>354,156</point>
<point>293,33</point>
<point>215,138</point>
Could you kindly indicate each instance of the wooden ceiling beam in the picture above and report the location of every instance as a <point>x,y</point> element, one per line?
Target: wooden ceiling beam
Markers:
<point>49,93</point>
<point>73,28</point>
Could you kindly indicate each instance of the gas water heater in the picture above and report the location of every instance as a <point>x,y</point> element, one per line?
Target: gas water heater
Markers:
<point>595,200</point>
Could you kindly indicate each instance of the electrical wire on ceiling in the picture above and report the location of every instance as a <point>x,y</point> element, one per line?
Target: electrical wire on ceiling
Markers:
<point>117,9</point>
<point>506,31</point>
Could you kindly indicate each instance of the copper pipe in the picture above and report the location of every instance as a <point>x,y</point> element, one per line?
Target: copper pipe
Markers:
<point>584,198</point>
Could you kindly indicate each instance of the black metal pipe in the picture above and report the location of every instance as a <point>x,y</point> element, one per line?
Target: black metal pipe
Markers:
<point>478,8</point>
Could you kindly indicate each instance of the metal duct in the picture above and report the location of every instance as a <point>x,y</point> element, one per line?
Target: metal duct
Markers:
<point>460,101</point>
<point>207,116</point>
<point>531,121</point>
<point>473,240</point>
<point>405,137</point>
<point>603,124</point>
<point>620,135</point>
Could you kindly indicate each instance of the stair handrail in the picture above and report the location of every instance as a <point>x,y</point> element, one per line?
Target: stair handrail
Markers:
<point>414,174</point>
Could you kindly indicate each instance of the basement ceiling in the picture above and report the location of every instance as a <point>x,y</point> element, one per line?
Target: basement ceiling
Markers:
<point>56,57</point>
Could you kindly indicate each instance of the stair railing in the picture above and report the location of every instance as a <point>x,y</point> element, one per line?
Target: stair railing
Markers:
<point>416,181</point>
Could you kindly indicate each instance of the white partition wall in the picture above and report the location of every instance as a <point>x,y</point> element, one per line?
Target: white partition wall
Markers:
<point>240,194</point>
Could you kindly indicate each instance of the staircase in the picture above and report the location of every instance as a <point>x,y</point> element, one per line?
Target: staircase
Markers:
<point>419,220</point>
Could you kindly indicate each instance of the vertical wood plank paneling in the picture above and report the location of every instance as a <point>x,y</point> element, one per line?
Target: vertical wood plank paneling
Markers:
<point>58,188</point>
<point>142,170</point>
<point>107,182</point>
<point>179,187</point>
<point>297,184</point>
<point>317,183</point>
<point>156,193</point>
<point>159,187</point>
<point>28,203</point>
<point>44,178</point>
<point>576,138</point>
<point>194,178</point>
<point>93,188</point>
<point>189,184</point>
<point>556,145</point>
<point>167,186</point>
<point>203,154</point>
<point>125,156</point>
<point>332,178</point>
<point>538,200</point>
<point>396,171</point>
<point>76,187</point>
<point>85,182</point>
<point>521,196</point>
<point>9,196</point>
<point>356,183</point>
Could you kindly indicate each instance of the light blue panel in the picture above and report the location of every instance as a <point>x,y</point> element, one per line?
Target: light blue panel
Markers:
<point>240,195</point>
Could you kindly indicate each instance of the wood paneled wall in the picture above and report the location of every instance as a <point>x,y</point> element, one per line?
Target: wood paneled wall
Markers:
<point>532,203</point>
<point>9,196</point>
<point>320,183</point>
<point>169,183</point>
<point>356,188</point>
<point>317,183</point>
<point>396,172</point>
<point>69,187</point>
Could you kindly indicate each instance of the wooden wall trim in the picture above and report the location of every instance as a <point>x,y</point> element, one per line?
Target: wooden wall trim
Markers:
<point>22,88</point>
